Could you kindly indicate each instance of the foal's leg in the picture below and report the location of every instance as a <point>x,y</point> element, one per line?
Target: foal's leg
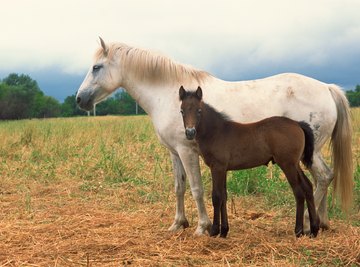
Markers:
<point>190,159</point>
<point>323,176</point>
<point>307,187</point>
<point>218,186</point>
<point>291,174</point>
<point>180,187</point>
<point>224,218</point>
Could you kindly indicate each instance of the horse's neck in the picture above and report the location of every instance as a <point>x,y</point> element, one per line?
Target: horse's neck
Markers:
<point>149,97</point>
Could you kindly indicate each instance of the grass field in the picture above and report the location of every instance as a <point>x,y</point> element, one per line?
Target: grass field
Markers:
<point>99,192</point>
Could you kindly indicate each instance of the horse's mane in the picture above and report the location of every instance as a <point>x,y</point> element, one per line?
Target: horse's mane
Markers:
<point>154,68</point>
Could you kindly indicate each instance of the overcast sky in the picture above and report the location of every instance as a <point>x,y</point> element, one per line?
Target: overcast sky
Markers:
<point>54,41</point>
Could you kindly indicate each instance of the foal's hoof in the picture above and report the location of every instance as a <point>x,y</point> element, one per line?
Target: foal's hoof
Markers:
<point>223,235</point>
<point>215,230</point>
<point>224,231</point>
<point>299,233</point>
<point>311,234</point>
<point>314,230</point>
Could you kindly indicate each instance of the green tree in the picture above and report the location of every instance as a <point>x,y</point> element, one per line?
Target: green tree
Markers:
<point>69,107</point>
<point>109,106</point>
<point>119,104</point>
<point>21,97</point>
<point>128,104</point>
<point>46,107</point>
<point>354,96</point>
<point>13,102</point>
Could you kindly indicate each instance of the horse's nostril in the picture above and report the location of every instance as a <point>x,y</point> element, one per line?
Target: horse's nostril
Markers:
<point>78,100</point>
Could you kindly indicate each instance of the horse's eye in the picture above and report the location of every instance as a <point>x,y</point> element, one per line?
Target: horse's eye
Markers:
<point>199,110</point>
<point>97,67</point>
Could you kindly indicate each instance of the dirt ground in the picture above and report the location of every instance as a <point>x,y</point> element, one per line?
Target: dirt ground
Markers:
<point>59,226</point>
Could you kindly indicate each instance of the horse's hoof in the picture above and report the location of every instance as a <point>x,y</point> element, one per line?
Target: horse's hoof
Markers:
<point>325,225</point>
<point>177,225</point>
<point>203,228</point>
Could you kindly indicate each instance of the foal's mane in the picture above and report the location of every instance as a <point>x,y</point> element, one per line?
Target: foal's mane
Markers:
<point>154,68</point>
<point>216,114</point>
<point>210,110</point>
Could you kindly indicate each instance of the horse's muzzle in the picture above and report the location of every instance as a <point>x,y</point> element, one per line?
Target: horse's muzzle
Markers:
<point>190,133</point>
<point>85,100</point>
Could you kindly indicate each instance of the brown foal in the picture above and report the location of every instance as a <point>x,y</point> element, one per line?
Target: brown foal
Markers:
<point>227,145</point>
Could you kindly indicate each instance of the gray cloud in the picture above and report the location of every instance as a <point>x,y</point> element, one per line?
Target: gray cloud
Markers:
<point>232,39</point>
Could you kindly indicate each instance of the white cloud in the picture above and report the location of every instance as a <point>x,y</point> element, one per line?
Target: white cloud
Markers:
<point>39,33</point>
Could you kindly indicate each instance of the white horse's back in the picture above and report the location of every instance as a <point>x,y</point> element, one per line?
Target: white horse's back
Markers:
<point>291,95</point>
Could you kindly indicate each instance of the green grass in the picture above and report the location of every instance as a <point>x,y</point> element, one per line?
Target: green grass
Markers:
<point>104,151</point>
<point>108,152</point>
<point>267,182</point>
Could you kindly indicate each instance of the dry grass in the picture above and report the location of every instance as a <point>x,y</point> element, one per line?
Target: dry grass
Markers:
<point>63,231</point>
<point>99,192</point>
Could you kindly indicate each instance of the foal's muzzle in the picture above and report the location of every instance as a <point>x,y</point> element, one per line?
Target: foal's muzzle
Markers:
<point>190,133</point>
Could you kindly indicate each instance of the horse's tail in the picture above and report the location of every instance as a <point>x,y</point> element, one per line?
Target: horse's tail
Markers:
<point>309,144</point>
<point>341,148</point>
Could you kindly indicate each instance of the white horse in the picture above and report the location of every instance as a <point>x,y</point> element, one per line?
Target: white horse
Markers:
<point>154,80</point>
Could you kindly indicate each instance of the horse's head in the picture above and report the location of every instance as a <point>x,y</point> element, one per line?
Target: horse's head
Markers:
<point>102,79</point>
<point>190,110</point>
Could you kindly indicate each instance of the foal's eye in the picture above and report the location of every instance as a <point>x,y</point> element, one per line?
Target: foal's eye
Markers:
<point>182,112</point>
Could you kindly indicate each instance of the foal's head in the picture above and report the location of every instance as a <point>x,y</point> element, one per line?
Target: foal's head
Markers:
<point>190,110</point>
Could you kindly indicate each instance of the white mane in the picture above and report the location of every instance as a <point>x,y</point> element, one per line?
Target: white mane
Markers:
<point>154,68</point>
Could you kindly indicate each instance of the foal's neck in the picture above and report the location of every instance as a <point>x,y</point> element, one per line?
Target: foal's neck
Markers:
<point>212,121</point>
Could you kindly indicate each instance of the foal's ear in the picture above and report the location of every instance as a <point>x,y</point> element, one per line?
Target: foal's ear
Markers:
<point>199,93</point>
<point>182,93</point>
<point>104,47</point>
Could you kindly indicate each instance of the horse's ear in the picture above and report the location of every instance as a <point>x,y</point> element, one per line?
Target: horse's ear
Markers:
<point>199,93</point>
<point>182,93</point>
<point>104,47</point>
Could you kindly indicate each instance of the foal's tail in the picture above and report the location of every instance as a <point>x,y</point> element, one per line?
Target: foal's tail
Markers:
<point>309,144</point>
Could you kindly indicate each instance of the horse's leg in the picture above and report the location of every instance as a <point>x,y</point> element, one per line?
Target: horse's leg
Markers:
<point>323,176</point>
<point>180,187</point>
<point>190,160</point>
<point>308,190</point>
<point>218,180</point>
<point>224,218</point>
<point>291,174</point>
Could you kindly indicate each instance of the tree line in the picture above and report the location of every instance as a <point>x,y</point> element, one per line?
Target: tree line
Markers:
<point>22,98</point>
<point>354,96</point>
